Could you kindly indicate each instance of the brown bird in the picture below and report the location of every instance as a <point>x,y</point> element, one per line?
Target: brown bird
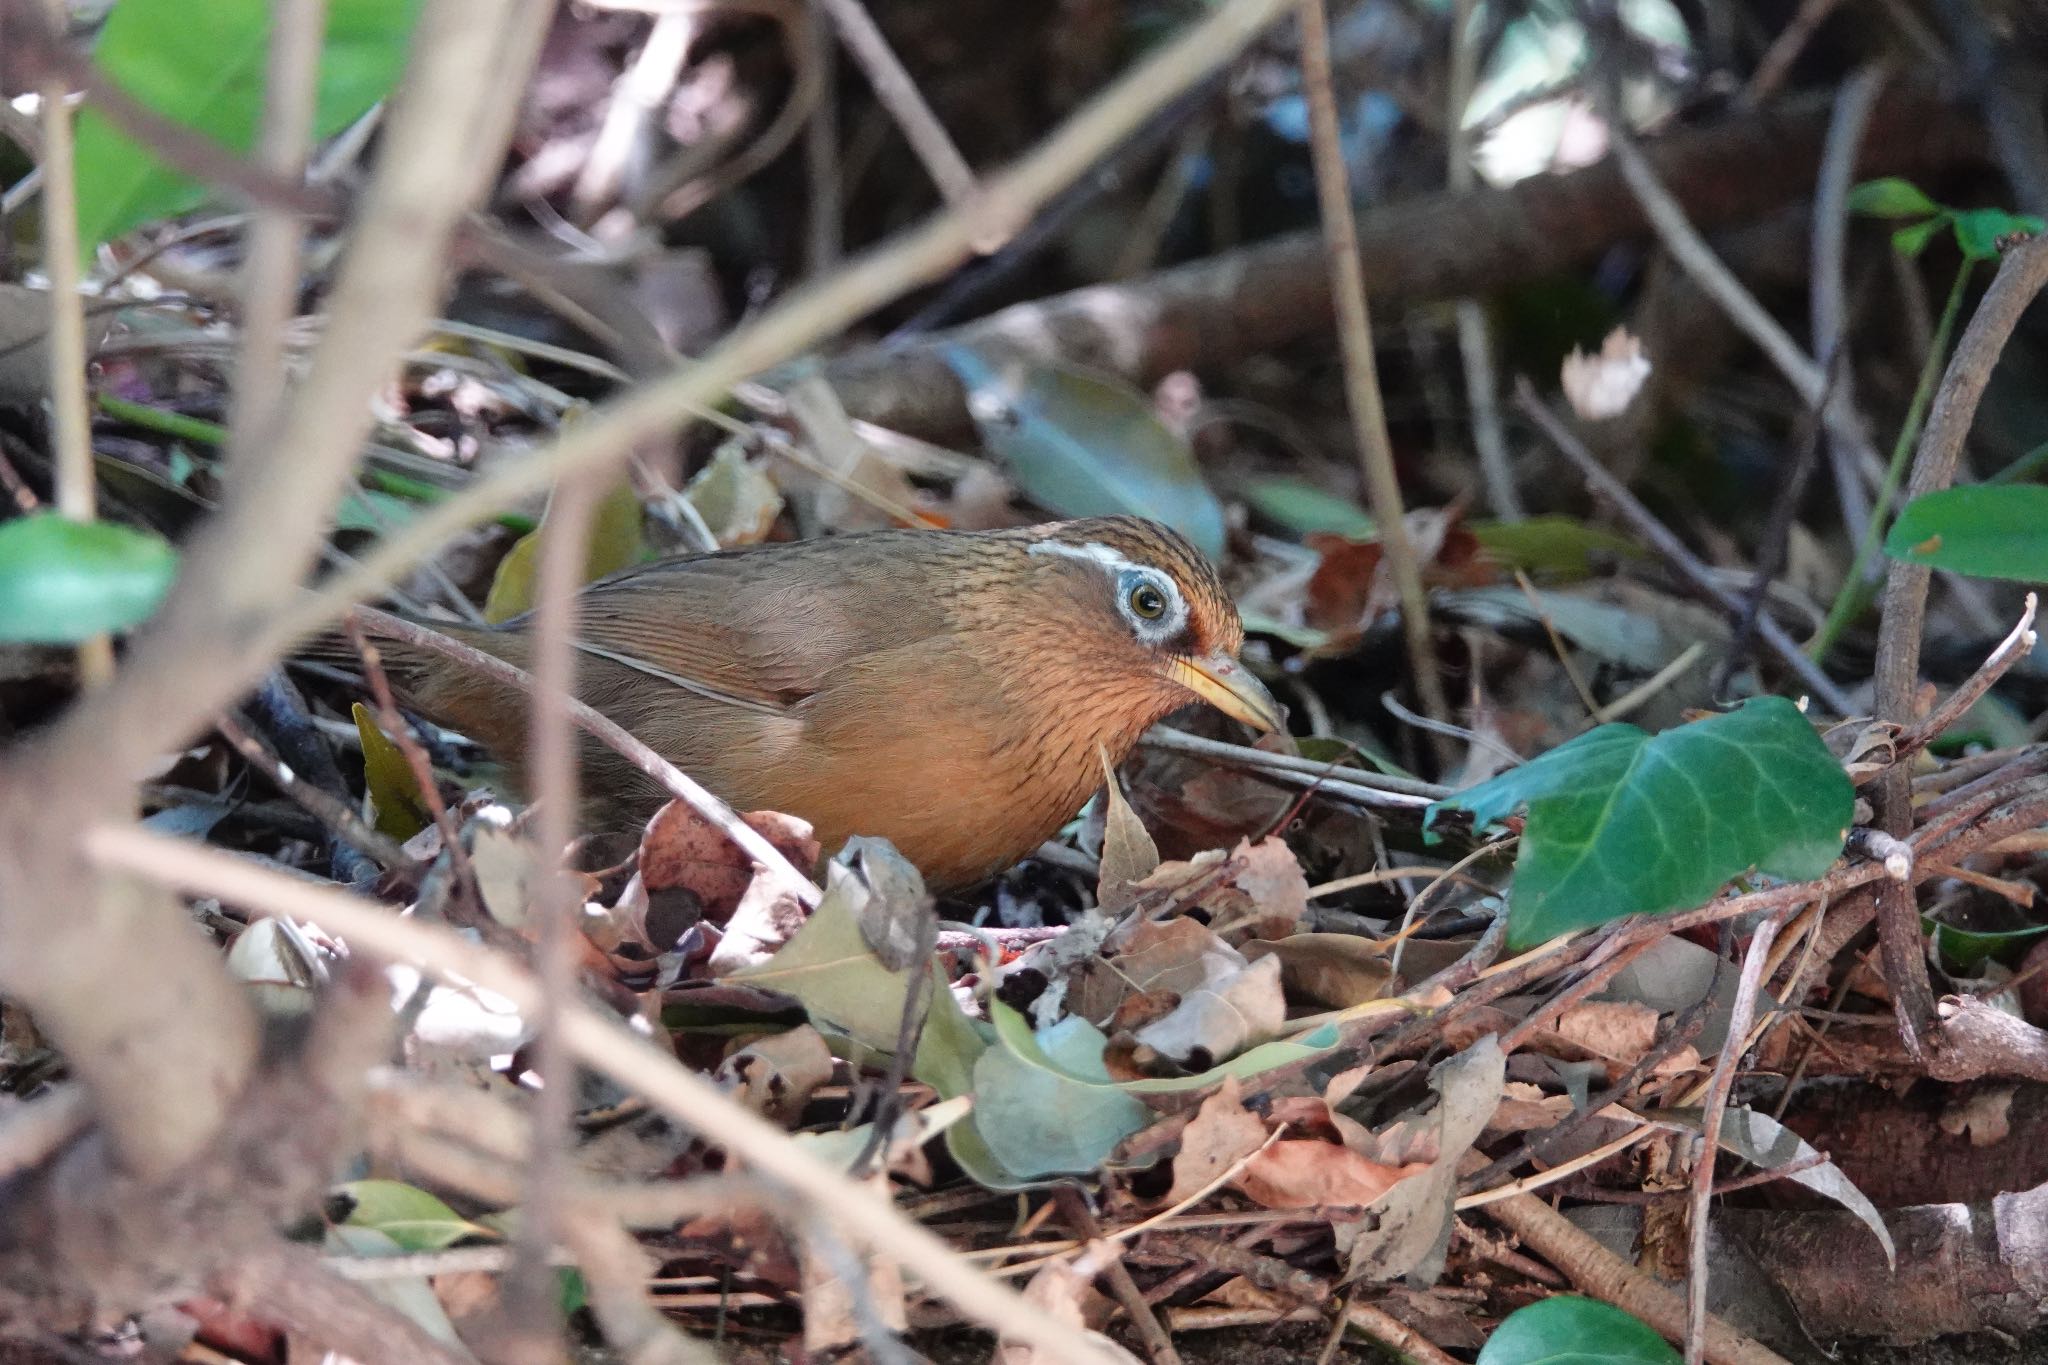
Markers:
<point>946,690</point>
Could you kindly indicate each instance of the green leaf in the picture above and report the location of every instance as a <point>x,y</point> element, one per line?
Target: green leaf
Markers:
<point>828,966</point>
<point>1050,1108</point>
<point>1087,446</point>
<point>1891,197</point>
<point>400,810</point>
<point>1304,508</point>
<point>1568,1330</point>
<point>1967,948</point>
<point>1911,241</point>
<point>1979,231</point>
<point>409,1216</point>
<point>617,541</point>
<point>1623,823</point>
<point>62,581</point>
<point>201,65</point>
<point>1556,547</point>
<point>1016,1033</point>
<point>1984,530</point>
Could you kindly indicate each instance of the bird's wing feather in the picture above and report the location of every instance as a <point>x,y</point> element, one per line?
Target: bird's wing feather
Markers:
<point>751,640</point>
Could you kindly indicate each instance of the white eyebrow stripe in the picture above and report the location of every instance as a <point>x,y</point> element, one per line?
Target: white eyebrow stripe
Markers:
<point>1093,552</point>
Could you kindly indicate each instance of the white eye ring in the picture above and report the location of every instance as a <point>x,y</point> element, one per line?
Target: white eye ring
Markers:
<point>1151,604</point>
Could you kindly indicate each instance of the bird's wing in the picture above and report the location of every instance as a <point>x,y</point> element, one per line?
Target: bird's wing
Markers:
<point>720,628</point>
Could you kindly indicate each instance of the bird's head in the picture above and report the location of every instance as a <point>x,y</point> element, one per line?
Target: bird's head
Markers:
<point>1160,610</point>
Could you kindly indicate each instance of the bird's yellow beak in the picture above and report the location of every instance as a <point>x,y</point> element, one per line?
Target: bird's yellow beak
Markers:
<point>1229,686</point>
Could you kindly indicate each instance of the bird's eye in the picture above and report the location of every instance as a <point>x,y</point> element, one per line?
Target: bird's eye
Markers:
<point>1148,602</point>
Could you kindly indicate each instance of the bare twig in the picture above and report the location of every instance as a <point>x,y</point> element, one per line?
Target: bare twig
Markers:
<point>270,271</point>
<point>336,814</point>
<point>1361,376</point>
<point>2014,647</point>
<point>1158,1345</point>
<point>400,732</point>
<point>533,1316</point>
<point>70,423</point>
<point>1829,302</point>
<point>1747,987</point>
<point>2021,276</point>
<point>1475,345</point>
<point>1673,550</point>
<point>898,94</point>
<point>607,1046</point>
<point>607,732</point>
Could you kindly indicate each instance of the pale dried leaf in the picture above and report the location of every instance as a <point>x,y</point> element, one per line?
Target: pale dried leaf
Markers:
<point>1221,1019</point>
<point>1602,386</point>
<point>1221,1133</point>
<point>775,1075</point>
<point>1302,1173</point>
<point>1128,853</point>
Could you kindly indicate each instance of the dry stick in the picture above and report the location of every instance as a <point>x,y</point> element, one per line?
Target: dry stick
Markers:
<point>1385,789</point>
<point>1673,550</point>
<point>638,97</point>
<point>898,94</point>
<point>607,732</point>
<point>400,731</point>
<point>332,812</point>
<point>1737,1042</point>
<point>1475,345</point>
<point>799,320</point>
<point>70,425</point>
<point>1361,378</point>
<point>1394,1334</point>
<point>532,1315</point>
<point>270,269</point>
<point>2015,646</point>
<point>1074,1209</point>
<point>609,1047</point>
<point>1829,304</point>
<point>1601,1273</point>
<point>2021,276</point>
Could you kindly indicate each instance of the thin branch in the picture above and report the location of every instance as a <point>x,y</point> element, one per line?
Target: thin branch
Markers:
<point>1747,987</point>
<point>1361,377</point>
<point>2021,276</point>
<point>332,812</point>
<point>2015,646</point>
<point>608,732</point>
<point>1660,538</point>
<point>270,272</point>
<point>535,1320</point>
<point>1475,344</point>
<point>607,1046</point>
<point>898,94</point>
<point>1829,302</point>
<point>70,421</point>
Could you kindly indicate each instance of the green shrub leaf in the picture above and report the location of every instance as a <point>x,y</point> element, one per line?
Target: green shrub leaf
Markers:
<point>1568,1330</point>
<point>62,581</point>
<point>1624,823</point>
<point>201,65</point>
<point>1891,197</point>
<point>1984,530</point>
<point>1085,445</point>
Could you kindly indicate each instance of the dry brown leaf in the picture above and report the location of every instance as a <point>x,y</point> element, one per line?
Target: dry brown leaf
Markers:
<point>1128,853</point>
<point>1221,1019</point>
<point>774,1076</point>
<point>1619,1032</point>
<point>681,850</point>
<point>830,1322</point>
<point>1301,1173</point>
<point>1221,1133</point>
<point>1065,1291</point>
<point>1152,958</point>
<point>1338,970</point>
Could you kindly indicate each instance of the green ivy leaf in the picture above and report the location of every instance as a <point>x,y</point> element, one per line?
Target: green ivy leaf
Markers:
<point>617,541</point>
<point>1049,1107</point>
<point>1624,823</point>
<point>62,581</point>
<point>1085,445</point>
<point>1984,530</point>
<point>201,65</point>
<point>1979,231</point>
<point>399,808</point>
<point>1911,241</point>
<point>1566,1329</point>
<point>409,1216</point>
<point>1303,508</point>
<point>1891,197</point>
